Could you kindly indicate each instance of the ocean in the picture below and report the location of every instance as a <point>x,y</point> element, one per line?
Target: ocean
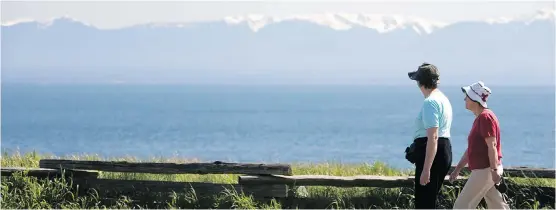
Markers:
<point>287,124</point>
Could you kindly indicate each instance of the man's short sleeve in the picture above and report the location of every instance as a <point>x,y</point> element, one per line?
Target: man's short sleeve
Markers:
<point>431,114</point>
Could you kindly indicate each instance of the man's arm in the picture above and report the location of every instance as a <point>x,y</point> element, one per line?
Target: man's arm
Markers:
<point>432,145</point>
<point>431,121</point>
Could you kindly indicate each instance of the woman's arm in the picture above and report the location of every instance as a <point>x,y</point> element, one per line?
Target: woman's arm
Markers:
<point>492,152</point>
<point>493,159</point>
<point>488,127</point>
<point>462,162</point>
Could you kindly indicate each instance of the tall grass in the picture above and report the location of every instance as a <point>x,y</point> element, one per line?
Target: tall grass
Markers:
<point>21,191</point>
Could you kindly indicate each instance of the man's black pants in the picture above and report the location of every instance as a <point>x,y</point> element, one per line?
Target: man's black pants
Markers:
<point>426,196</point>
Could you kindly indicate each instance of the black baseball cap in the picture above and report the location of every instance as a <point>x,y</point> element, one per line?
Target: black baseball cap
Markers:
<point>425,72</point>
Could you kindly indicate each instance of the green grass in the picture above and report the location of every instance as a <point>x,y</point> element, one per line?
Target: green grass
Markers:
<point>29,192</point>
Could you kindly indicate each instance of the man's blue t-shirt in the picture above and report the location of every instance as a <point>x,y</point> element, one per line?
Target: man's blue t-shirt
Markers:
<point>435,112</point>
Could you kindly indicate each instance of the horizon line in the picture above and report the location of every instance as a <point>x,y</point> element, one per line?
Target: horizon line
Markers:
<point>255,84</point>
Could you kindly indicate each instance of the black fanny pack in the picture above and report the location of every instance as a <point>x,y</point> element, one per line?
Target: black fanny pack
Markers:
<point>418,148</point>
<point>411,153</point>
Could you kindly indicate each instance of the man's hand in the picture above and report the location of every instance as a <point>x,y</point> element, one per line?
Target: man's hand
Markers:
<point>425,177</point>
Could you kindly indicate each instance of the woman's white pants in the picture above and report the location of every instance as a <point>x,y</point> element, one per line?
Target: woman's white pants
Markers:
<point>478,186</point>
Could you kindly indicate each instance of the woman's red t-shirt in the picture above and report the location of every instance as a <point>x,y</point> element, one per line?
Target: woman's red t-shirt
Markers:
<point>485,125</point>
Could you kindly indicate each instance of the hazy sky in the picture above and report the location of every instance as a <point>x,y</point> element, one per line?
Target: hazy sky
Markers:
<point>113,14</point>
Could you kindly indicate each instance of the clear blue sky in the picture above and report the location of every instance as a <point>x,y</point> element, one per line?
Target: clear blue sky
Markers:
<point>106,14</point>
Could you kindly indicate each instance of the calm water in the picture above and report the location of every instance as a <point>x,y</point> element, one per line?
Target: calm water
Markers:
<point>253,124</point>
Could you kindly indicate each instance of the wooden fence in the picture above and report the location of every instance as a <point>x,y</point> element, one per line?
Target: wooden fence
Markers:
<point>259,180</point>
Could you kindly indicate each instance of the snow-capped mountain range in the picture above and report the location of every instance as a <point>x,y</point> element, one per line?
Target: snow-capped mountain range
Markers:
<point>338,21</point>
<point>313,48</point>
<point>343,21</point>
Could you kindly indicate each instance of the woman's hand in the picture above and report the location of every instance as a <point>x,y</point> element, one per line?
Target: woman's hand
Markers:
<point>495,176</point>
<point>454,175</point>
<point>425,177</point>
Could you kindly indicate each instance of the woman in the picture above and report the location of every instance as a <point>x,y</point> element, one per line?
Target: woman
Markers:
<point>433,151</point>
<point>483,153</point>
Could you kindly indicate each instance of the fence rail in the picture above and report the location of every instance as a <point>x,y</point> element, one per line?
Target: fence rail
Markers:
<point>259,180</point>
<point>114,187</point>
<point>335,181</point>
<point>47,172</point>
<point>168,168</point>
<point>524,172</point>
